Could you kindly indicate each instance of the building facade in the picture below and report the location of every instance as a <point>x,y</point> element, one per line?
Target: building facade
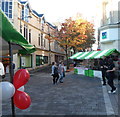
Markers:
<point>110,25</point>
<point>34,27</point>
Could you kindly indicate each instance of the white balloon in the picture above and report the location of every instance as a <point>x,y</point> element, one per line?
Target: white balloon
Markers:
<point>21,88</point>
<point>7,90</point>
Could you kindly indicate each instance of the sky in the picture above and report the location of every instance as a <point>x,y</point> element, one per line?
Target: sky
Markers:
<point>58,10</point>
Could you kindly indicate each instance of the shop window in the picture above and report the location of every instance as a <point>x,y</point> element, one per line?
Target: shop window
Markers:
<point>45,59</point>
<point>26,61</point>
<point>39,60</point>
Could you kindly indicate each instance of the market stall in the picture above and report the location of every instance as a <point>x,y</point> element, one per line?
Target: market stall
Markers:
<point>88,65</point>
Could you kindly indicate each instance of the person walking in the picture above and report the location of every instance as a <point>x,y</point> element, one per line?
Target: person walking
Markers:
<point>55,73</point>
<point>111,76</point>
<point>2,71</point>
<point>61,72</point>
<point>74,63</point>
<point>103,66</point>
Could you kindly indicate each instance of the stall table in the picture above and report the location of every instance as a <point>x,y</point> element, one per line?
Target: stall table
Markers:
<point>87,72</point>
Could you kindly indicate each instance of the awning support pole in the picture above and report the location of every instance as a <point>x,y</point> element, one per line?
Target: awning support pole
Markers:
<point>11,75</point>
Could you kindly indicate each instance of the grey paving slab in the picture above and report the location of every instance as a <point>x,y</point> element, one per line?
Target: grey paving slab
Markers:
<point>78,95</point>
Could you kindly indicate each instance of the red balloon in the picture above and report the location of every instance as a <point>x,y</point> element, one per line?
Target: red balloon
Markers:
<point>20,78</point>
<point>21,100</point>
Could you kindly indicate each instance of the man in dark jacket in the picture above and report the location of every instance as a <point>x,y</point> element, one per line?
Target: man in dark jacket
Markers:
<point>103,66</point>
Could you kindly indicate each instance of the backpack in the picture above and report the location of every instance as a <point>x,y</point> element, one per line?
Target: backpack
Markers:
<point>55,70</point>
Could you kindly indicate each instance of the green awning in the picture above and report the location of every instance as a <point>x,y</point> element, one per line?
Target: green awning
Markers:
<point>10,34</point>
<point>93,54</point>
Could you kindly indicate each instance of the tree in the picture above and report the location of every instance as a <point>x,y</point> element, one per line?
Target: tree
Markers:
<point>63,37</point>
<point>85,39</point>
<point>76,34</point>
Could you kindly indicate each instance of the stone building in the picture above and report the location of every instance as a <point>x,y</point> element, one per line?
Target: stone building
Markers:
<point>34,27</point>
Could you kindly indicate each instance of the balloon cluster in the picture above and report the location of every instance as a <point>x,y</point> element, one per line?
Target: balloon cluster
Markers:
<point>21,99</point>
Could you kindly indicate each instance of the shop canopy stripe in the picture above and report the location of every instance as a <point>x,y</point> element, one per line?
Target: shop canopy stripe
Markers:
<point>101,54</point>
<point>94,54</point>
<point>91,55</point>
<point>109,52</point>
<point>75,55</point>
<point>82,55</point>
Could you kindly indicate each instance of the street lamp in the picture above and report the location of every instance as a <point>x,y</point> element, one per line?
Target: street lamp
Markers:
<point>49,51</point>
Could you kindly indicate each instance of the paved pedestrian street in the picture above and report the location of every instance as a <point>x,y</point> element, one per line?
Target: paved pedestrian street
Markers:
<point>78,95</point>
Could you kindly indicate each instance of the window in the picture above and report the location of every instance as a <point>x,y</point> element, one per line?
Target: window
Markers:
<point>39,60</point>
<point>22,12</point>
<point>3,6</point>
<point>39,39</point>
<point>10,16</point>
<point>6,6</point>
<point>10,3</point>
<point>26,32</point>
<point>42,21</point>
<point>20,28</point>
<point>29,35</point>
<point>25,13</point>
<point>44,42</point>
<point>45,59</point>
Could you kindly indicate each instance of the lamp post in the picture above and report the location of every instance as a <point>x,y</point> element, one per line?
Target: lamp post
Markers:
<point>49,51</point>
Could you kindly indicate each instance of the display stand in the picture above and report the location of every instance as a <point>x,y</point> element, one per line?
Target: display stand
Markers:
<point>87,72</point>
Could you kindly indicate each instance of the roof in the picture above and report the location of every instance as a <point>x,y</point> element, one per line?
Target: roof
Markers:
<point>39,15</point>
<point>23,2</point>
<point>51,25</point>
<point>93,54</point>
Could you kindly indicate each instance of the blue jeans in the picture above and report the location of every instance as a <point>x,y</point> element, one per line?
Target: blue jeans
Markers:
<point>61,77</point>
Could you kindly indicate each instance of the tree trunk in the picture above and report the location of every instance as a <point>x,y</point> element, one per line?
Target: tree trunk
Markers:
<point>66,51</point>
<point>74,50</point>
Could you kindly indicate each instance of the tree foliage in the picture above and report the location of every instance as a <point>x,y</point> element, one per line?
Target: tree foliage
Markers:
<point>77,34</point>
